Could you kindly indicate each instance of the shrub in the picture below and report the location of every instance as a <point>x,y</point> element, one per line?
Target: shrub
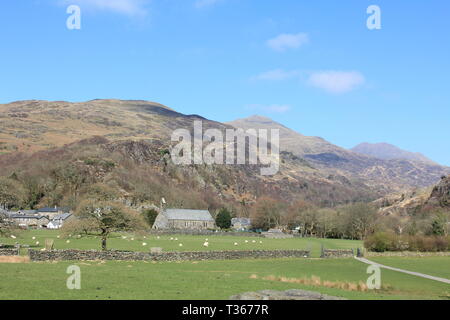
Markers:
<point>381,242</point>
<point>378,242</point>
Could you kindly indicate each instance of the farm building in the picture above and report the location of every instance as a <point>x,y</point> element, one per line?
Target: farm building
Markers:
<point>184,219</point>
<point>241,224</point>
<point>29,220</point>
<point>59,220</point>
<point>51,212</point>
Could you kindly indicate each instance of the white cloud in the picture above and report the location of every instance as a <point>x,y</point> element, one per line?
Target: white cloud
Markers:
<point>127,7</point>
<point>273,108</point>
<point>205,3</point>
<point>336,81</point>
<point>277,75</point>
<point>284,42</point>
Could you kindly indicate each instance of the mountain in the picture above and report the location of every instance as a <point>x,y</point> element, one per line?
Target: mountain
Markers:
<point>39,138</point>
<point>388,151</point>
<point>62,148</point>
<point>386,175</point>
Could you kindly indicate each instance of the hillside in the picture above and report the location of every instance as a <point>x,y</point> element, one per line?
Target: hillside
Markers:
<point>39,138</point>
<point>386,175</point>
<point>388,151</point>
<point>420,200</point>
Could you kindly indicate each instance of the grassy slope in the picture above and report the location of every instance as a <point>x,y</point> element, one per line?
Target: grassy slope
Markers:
<point>190,243</point>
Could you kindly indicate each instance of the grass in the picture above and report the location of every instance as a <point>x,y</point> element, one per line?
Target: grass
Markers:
<point>190,243</point>
<point>202,280</point>
<point>205,280</point>
<point>434,266</point>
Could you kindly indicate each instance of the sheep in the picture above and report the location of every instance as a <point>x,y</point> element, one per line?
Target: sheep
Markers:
<point>246,241</point>
<point>254,241</point>
<point>13,236</point>
<point>235,243</point>
<point>37,243</point>
<point>68,241</point>
<point>180,245</point>
<point>34,238</point>
<point>206,244</point>
<point>144,244</point>
<point>171,239</point>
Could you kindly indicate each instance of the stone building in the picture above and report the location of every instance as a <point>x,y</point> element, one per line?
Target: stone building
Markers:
<point>241,224</point>
<point>184,219</point>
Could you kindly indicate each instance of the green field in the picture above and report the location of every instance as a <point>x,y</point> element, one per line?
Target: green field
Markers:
<point>190,243</point>
<point>433,266</point>
<point>206,280</point>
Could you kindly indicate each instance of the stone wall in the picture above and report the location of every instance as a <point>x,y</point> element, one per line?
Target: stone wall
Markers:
<point>337,253</point>
<point>9,252</point>
<point>69,255</point>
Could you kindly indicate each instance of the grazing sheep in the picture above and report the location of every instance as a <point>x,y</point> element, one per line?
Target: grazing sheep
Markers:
<point>158,237</point>
<point>144,244</point>
<point>235,243</point>
<point>132,239</point>
<point>58,237</point>
<point>260,242</point>
<point>34,238</point>
<point>68,241</point>
<point>180,244</point>
<point>254,241</point>
<point>13,236</point>
<point>176,239</point>
<point>246,241</point>
<point>206,244</point>
<point>37,243</point>
<point>171,239</point>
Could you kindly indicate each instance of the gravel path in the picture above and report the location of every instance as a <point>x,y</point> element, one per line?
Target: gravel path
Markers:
<point>426,276</point>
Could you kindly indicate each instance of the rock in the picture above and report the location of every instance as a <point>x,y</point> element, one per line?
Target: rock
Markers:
<point>293,294</point>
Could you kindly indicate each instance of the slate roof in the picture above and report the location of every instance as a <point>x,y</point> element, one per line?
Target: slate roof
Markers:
<point>25,216</point>
<point>62,216</point>
<point>57,209</point>
<point>187,214</point>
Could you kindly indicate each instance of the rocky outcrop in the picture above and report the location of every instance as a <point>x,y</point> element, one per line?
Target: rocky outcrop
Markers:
<point>440,196</point>
<point>294,294</point>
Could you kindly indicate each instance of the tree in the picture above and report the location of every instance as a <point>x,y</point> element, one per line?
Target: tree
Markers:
<point>10,193</point>
<point>223,219</point>
<point>358,220</point>
<point>150,216</point>
<point>439,225</point>
<point>266,213</point>
<point>107,217</point>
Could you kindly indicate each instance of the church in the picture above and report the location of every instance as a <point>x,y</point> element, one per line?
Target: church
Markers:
<point>184,219</point>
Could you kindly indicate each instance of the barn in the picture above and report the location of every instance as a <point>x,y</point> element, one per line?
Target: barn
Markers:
<point>184,219</point>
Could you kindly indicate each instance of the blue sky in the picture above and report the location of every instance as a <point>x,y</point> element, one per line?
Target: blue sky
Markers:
<point>314,66</point>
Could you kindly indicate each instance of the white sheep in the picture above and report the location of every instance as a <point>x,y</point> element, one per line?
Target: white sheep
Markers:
<point>37,243</point>
<point>176,239</point>
<point>254,241</point>
<point>144,244</point>
<point>235,243</point>
<point>246,241</point>
<point>180,244</point>
<point>206,244</point>
<point>13,236</point>
<point>34,238</point>
<point>171,239</point>
<point>68,241</point>
<point>158,237</point>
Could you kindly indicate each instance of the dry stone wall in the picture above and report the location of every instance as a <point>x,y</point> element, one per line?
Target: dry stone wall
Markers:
<point>73,255</point>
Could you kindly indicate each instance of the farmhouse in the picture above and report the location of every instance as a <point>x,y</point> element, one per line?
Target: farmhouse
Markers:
<point>241,224</point>
<point>29,220</point>
<point>59,220</point>
<point>51,212</point>
<point>184,219</point>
